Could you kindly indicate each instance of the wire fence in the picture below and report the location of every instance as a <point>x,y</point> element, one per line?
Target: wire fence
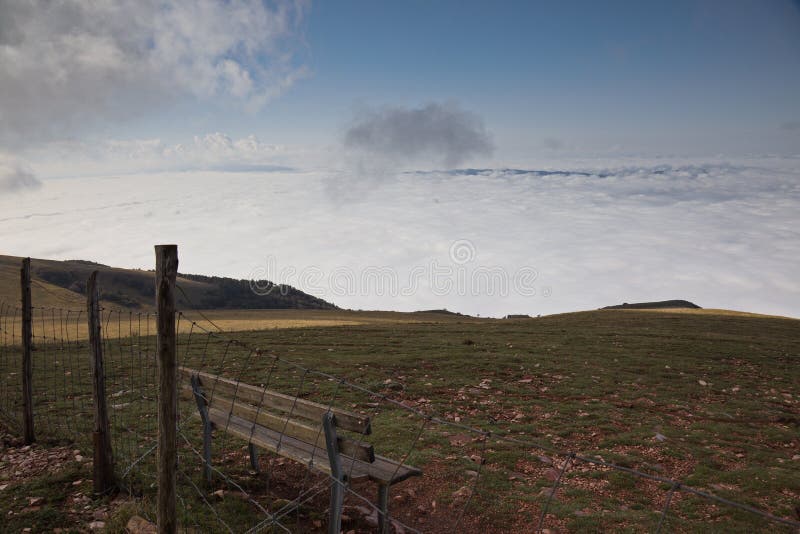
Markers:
<point>59,360</point>
<point>473,478</point>
<point>10,366</point>
<point>61,378</point>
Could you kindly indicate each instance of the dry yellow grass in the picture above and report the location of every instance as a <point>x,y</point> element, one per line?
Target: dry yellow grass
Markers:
<point>711,311</point>
<point>42,293</point>
<point>70,325</point>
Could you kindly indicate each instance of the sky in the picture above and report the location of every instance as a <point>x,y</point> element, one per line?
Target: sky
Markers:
<point>490,158</point>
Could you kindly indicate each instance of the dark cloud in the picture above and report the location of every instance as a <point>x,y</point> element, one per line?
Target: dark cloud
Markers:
<point>791,126</point>
<point>551,143</point>
<point>15,177</point>
<point>441,132</point>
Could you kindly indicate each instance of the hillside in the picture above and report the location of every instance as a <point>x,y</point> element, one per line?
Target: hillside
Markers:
<point>63,283</point>
<point>660,305</point>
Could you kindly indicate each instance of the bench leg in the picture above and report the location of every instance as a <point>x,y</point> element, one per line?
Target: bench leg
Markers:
<point>383,508</point>
<point>253,457</point>
<point>207,450</point>
<point>337,499</point>
<point>337,474</point>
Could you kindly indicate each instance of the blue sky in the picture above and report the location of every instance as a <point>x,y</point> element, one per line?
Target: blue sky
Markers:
<point>654,76</point>
<point>659,77</point>
<point>328,135</point>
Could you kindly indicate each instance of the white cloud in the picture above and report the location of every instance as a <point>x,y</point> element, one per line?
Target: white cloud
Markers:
<point>601,232</point>
<point>130,156</point>
<point>66,64</point>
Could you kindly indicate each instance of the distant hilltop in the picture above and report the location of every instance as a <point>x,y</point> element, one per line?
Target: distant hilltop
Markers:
<point>654,305</point>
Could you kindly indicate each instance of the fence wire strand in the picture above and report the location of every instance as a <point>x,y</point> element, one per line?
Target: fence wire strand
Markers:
<point>501,436</point>
<point>288,495</point>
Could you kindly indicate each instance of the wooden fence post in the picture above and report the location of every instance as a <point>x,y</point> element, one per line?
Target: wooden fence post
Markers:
<point>166,273</point>
<point>27,349</point>
<point>103,476</point>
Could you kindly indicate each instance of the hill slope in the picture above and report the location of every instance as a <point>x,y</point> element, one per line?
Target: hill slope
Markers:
<point>660,305</point>
<point>63,283</point>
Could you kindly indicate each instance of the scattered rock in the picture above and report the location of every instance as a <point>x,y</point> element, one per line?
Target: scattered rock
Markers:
<point>462,493</point>
<point>515,475</point>
<point>97,525</point>
<point>551,474</point>
<point>547,493</point>
<point>139,525</point>
<point>459,440</point>
<point>702,383</point>
<point>370,514</point>
<point>660,437</point>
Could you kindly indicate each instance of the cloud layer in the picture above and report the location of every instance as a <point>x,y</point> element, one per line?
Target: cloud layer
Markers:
<point>444,133</point>
<point>721,234</point>
<point>216,151</point>
<point>66,64</point>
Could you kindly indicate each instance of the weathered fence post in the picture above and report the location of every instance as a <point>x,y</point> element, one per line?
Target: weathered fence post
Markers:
<point>103,475</point>
<point>166,273</point>
<point>27,350</point>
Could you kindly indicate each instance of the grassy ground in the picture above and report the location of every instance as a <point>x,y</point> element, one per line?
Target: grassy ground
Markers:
<point>710,399</point>
<point>69,324</point>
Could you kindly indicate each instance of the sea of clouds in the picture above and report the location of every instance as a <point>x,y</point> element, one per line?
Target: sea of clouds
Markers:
<point>560,236</point>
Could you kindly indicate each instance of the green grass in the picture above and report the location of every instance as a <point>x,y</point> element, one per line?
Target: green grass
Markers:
<point>50,512</point>
<point>597,383</point>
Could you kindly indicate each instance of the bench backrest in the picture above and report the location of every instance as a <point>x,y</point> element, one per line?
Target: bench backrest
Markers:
<point>292,416</point>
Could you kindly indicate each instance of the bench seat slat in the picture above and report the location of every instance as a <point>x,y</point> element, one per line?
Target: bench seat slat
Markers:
<point>310,410</point>
<point>287,426</point>
<point>382,470</point>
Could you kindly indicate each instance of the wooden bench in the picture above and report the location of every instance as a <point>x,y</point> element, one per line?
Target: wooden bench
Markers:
<point>304,431</point>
